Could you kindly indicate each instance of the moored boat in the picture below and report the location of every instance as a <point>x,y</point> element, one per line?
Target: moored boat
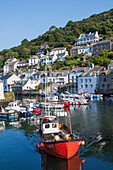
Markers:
<point>57,139</point>
<point>10,116</point>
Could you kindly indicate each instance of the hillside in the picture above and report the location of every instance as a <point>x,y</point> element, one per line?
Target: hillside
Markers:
<point>56,37</point>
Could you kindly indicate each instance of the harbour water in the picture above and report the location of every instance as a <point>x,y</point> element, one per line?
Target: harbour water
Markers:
<point>18,143</point>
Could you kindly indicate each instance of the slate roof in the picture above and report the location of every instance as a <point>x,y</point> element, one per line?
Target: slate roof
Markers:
<point>102,42</point>
<point>6,76</point>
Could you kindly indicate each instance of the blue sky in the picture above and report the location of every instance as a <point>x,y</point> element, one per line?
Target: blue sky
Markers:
<point>21,19</point>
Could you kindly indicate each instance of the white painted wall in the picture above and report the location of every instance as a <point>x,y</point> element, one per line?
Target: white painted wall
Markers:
<point>31,84</point>
<point>88,84</point>
<point>33,61</point>
<point>10,81</point>
<point>1,90</point>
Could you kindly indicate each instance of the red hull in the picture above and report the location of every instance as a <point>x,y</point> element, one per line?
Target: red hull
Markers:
<point>65,149</point>
<point>67,104</point>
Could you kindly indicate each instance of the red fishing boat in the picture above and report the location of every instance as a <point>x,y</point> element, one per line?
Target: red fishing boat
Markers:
<point>57,139</point>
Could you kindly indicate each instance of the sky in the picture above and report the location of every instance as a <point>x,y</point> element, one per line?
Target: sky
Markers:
<point>20,19</point>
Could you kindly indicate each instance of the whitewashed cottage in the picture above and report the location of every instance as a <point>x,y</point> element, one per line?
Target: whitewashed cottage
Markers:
<point>8,81</point>
<point>1,90</point>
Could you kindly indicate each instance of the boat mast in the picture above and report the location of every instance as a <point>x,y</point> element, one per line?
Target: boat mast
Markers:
<point>70,121</point>
<point>45,85</point>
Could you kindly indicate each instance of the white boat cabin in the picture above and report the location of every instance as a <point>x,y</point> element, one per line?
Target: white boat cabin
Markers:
<point>12,106</point>
<point>50,125</point>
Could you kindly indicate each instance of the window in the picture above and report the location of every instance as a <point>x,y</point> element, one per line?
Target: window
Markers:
<point>91,85</point>
<point>47,126</point>
<point>81,80</point>
<point>86,86</point>
<point>76,97</point>
<point>86,80</point>
<point>81,86</point>
<point>104,79</point>
<point>89,80</point>
<point>54,125</point>
<point>108,86</point>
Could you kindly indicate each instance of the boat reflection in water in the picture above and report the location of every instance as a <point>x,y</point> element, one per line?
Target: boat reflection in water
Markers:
<point>50,162</point>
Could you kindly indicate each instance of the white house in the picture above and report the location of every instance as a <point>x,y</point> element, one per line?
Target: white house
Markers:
<point>87,38</point>
<point>60,77</point>
<point>29,73</point>
<point>22,64</point>
<point>1,90</point>
<point>10,65</point>
<point>89,81</point>
<point>8,81</point>
<point>60,53</point>
<point>33,60</point>
<point>76,72</point>
<point>81,50</point>
<point>51,57</point>
<point>48,60</point>
<point>25,85</point>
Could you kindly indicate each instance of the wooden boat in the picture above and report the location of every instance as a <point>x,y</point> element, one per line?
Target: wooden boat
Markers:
<point>9,116</point>
<point>57,139</point>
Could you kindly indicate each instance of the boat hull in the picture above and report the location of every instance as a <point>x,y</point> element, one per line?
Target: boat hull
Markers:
<point>65,149</point>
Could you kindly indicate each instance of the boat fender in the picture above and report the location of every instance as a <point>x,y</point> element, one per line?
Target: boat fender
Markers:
<point>28,106</point>
<point>82,160</point>
<point>78,102</point>
<point>68,138</point>
<point>81,142</point>
<point>37,131</point>
<point>40,145</point>
<point>57,138</point>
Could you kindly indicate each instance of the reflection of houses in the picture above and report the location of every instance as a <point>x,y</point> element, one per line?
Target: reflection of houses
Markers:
<point>106,82</point>
<point>8,81</point>
<point>89,81</point>
<point>33,60</point>
<point>1,90</point>
<point>87,38</point>
<point>102,45</point>
<point>81,50</point>
<point>10,65</point>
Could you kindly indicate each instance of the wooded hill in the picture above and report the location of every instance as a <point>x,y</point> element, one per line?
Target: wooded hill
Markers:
<point>60,37</point>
